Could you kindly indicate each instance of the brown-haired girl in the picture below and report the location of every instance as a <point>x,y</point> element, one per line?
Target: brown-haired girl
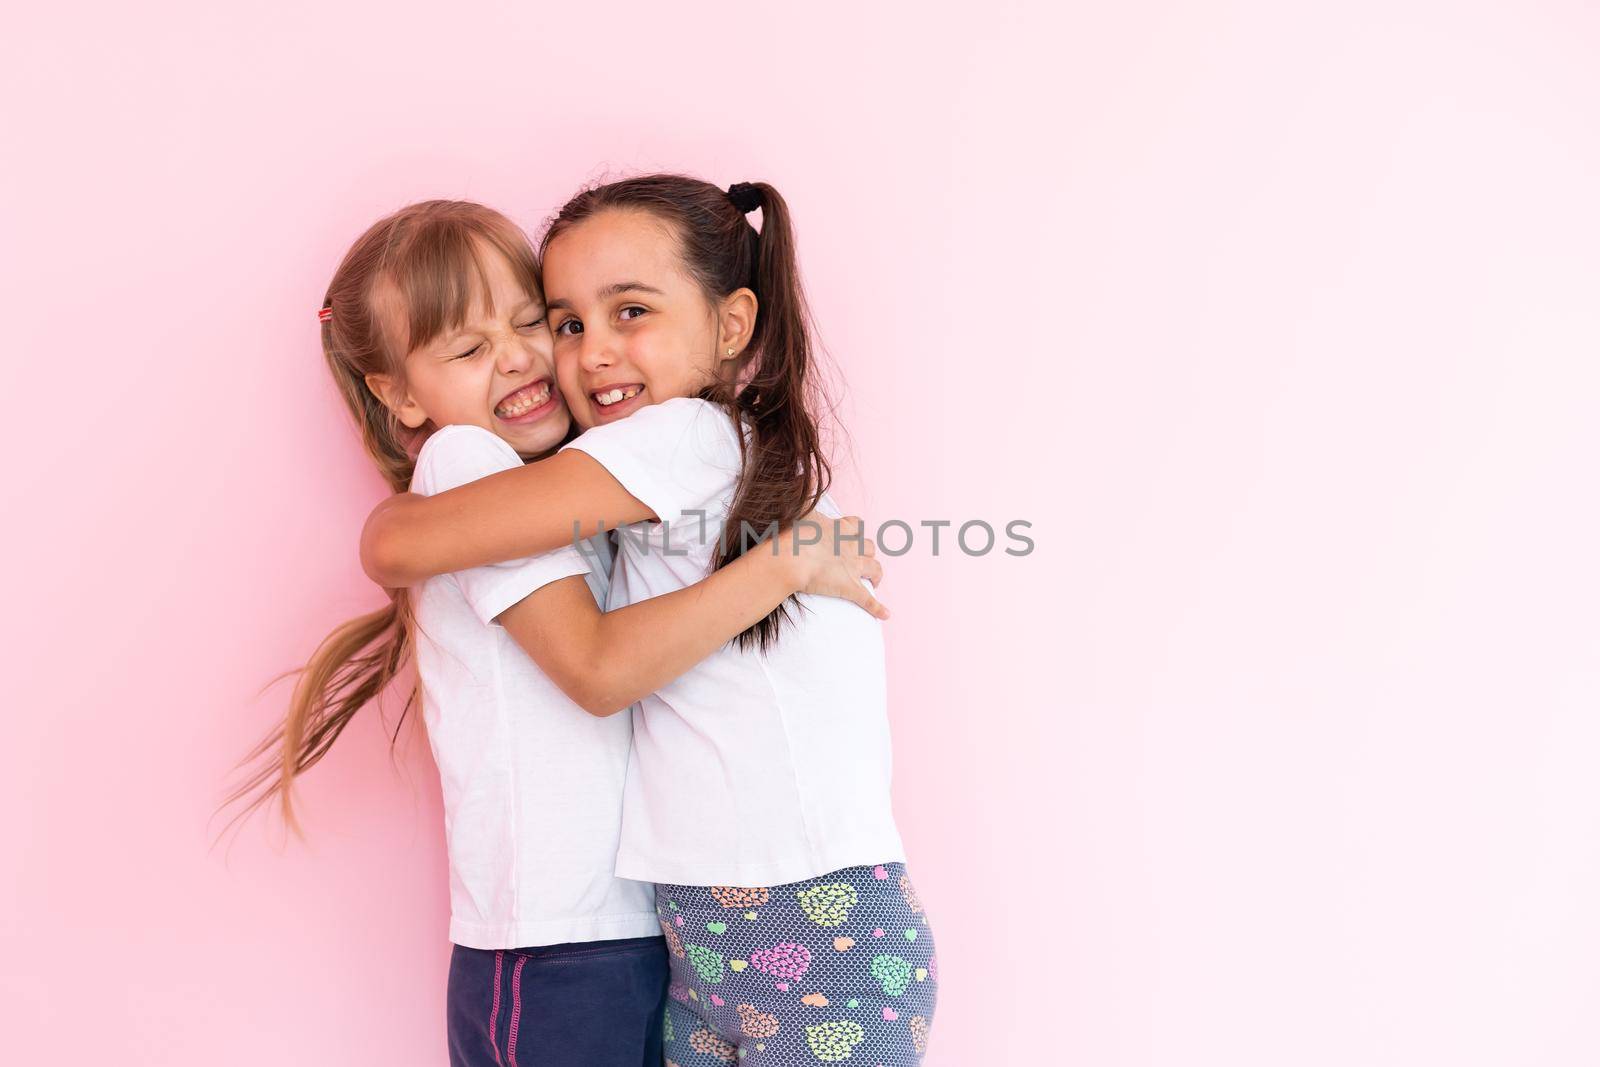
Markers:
<point>757,794</point>
<point>434,329</point>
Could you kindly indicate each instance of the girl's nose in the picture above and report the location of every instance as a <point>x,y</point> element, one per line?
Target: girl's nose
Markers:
<point>515,357</point>
<point>594,351</point>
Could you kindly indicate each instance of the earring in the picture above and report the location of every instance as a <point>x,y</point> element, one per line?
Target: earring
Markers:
<point>730,353</point>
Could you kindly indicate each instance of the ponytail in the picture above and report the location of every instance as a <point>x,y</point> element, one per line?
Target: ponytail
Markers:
<point>349,670</point>
<point>784,473</point>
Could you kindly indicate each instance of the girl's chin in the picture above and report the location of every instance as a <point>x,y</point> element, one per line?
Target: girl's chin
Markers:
<point>547,434</point>
<point>533,436</point>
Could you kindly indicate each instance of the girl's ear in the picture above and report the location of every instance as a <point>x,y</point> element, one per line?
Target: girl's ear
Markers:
<point>736,322</point>
<point>393,395</point>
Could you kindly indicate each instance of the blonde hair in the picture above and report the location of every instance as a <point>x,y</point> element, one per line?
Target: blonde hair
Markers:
<point>428,259</point>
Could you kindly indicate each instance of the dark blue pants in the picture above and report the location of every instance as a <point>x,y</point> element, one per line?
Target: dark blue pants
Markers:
<point>591,1004</point>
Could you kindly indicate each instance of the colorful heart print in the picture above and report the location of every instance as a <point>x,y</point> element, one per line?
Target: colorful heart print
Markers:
<point>706,1043</point>
<point>827,905</point>
<point>674,944</point>
<point>892,973</point>
<point>832,1042</point>
<point>909,891</point>
<point>786,959</point>
<point>919,1033</point>
<point>756,1023</point>
<point>732,896</point>
<point>707,964</point>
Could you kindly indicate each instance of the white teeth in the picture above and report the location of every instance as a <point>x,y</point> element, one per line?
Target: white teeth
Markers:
<point>523,403</point>
<point>616,396</point>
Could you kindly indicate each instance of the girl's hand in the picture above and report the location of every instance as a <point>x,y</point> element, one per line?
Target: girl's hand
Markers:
<point>831,557</point>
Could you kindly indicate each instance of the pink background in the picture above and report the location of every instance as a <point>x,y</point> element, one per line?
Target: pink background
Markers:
<point>1279,322</point>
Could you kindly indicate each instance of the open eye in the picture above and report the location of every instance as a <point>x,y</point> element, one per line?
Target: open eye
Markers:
<point>625,312</point>
<point>568,328</point>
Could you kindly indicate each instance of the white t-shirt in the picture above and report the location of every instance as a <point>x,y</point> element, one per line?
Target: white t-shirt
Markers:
<point>751,769</point>
<point>532,783</point>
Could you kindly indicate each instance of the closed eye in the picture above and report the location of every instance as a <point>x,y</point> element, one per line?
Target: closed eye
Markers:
<point>470,352</point>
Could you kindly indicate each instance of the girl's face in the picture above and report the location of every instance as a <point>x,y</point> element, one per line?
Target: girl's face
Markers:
<point>631,326</point>
<point>495,371</point>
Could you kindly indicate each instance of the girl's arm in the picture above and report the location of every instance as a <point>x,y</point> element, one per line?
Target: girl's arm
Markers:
<point>523,512</point>
<point>605,661</point>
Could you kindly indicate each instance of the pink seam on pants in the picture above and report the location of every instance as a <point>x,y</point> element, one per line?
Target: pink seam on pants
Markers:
<point>516,1009</point>
<point>494,1012</point>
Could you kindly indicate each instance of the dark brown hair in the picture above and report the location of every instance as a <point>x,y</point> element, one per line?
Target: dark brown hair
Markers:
<point>418,271</point>
<point>772,387</point>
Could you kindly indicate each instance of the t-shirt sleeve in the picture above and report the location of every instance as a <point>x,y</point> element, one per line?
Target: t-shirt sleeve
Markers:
<point>677,456</point>
<point>456,455</point>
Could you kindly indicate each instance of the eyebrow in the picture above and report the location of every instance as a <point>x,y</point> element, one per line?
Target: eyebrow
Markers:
<point>609,291</point>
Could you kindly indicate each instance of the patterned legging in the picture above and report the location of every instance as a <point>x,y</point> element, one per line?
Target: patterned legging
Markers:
<point>834,968</point>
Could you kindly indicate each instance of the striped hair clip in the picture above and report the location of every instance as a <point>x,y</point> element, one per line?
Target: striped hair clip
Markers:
<point>325,315</point>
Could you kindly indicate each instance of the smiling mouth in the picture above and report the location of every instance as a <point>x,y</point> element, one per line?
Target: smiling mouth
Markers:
<point>523,400</point>
<point>617,395</point>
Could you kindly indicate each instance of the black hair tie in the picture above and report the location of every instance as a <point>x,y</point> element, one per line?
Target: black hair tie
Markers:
<point>745,197</point>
